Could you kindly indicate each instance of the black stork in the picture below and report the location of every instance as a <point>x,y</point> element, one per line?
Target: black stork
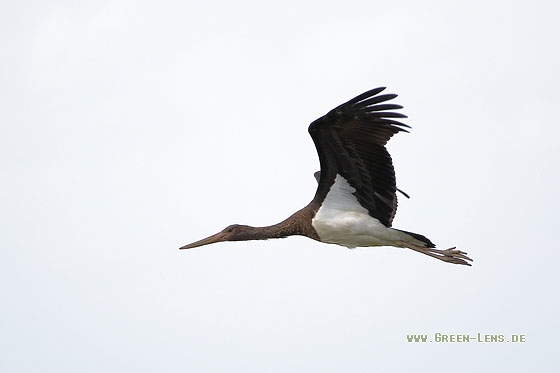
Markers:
<point>356,199</point>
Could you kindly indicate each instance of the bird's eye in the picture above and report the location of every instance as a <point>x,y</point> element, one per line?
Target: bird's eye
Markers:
<point>230,229</point>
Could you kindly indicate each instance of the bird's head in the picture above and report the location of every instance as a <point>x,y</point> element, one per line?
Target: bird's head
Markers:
<point>235,232</point>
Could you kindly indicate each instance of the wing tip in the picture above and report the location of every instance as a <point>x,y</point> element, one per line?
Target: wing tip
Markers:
<point>368,105</point>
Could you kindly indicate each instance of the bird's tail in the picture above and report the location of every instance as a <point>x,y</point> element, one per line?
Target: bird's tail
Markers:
<point>426,241</point>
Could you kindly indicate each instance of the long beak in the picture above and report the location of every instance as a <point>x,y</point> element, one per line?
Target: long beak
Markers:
<point>218,237</point>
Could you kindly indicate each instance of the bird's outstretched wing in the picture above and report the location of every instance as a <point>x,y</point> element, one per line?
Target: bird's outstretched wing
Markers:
<point>350,140</point>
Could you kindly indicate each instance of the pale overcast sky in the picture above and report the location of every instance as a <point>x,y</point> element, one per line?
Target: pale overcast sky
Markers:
<point>130,128</point>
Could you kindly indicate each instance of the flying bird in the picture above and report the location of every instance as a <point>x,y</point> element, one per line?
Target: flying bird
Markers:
<point>356,199</point>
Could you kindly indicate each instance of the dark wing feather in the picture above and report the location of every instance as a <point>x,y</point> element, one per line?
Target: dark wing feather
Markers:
<point>350,140</point>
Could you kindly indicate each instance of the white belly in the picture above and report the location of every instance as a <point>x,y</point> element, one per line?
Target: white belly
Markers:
<point>352,229</point>
<point>342,220</point>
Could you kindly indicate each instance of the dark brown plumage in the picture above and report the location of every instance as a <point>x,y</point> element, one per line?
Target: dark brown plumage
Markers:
<point>350,141</point>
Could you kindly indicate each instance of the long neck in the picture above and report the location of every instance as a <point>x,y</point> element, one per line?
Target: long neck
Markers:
<point>280,230</point>
<point>297,224</point>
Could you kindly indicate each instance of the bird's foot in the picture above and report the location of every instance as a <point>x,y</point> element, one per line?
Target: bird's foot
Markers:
<point>451,255</point>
